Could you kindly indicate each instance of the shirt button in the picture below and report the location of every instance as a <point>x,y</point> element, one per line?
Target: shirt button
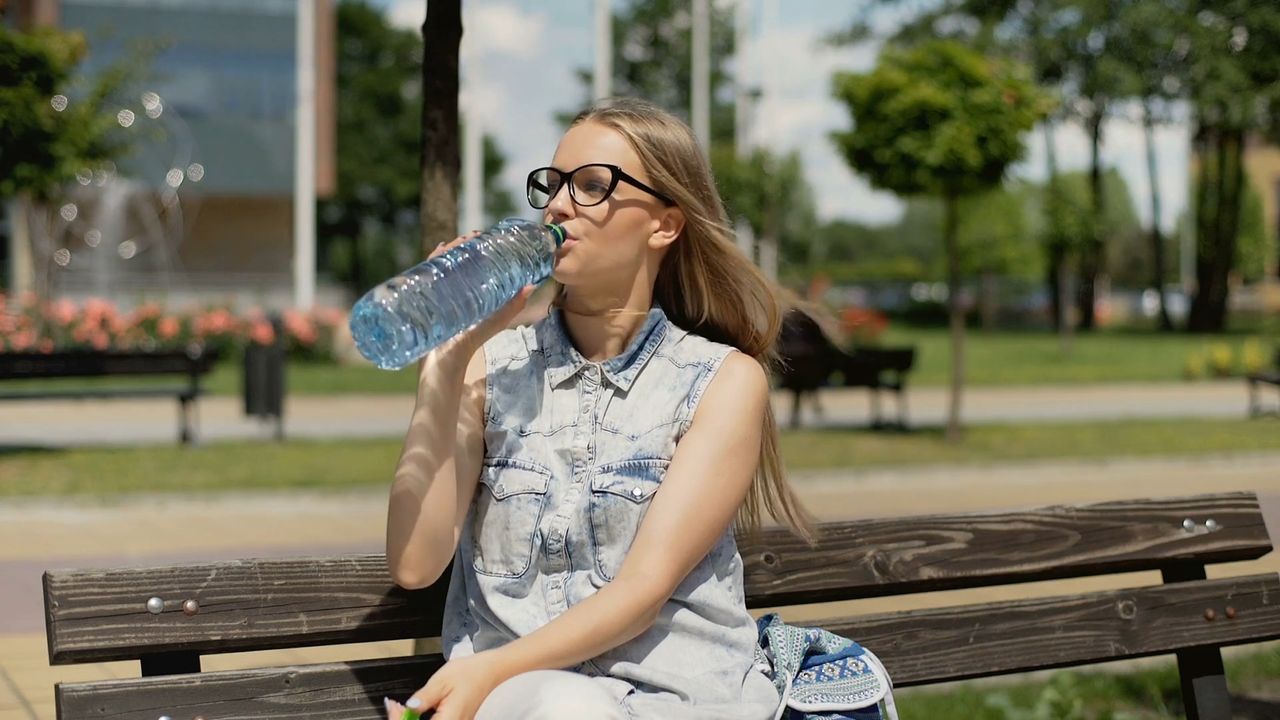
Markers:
<point>499,489</point>
<point>636,492</point>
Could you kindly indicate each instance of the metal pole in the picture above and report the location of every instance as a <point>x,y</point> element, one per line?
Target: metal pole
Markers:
<point>472,170</point>
<point>602,80</point>
<point>304,160</point>
<point>700,102</point>
<point>742,107</point>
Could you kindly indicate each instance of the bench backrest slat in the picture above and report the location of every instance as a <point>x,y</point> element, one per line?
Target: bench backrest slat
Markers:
<point>918,647</point>
<point>90,364</point>
<point>893,556</point>
<point>98,615</point>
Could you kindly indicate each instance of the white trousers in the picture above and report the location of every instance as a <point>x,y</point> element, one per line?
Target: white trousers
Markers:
<point>550,695</point>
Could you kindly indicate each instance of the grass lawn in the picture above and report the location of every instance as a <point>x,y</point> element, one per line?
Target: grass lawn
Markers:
<point>1013,358</point>
<point>997,358</point>
<point>356,463</point>
<point>1149,693</point>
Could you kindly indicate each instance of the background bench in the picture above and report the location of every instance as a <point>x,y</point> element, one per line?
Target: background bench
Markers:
<point>1257,380</point>
<point>809,361</point>
<point>183,368</point>
<point>167,617</point>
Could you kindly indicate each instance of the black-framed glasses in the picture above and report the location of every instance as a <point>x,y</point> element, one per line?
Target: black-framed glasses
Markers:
<point>588,185</point>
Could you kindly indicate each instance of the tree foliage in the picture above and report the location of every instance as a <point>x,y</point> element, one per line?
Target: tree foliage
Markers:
<point>937,119</point>
<point>370,228</point>
<point>52,124</point>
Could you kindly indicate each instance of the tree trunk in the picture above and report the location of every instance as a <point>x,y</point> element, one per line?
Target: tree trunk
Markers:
<point>990,307</point>
<point>1091,257</point>
<point>1157,238</point>
<point>956,313</point>
<point>1058,275</point>
<point>1218,203</point>
<point>441,157</point>
<point>441,36</point>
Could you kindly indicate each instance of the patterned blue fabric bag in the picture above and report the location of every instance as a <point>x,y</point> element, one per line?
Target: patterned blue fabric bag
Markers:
<point>822,676</point>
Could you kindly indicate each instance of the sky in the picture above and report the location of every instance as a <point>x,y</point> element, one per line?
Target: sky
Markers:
<point>518,63</point>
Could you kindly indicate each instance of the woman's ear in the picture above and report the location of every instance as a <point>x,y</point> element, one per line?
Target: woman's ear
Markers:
<point>670,225</point>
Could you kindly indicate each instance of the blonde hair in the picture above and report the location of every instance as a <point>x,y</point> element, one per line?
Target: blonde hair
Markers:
<point>705,284</point>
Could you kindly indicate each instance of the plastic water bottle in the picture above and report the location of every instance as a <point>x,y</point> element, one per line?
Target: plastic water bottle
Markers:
<point>402,319</point>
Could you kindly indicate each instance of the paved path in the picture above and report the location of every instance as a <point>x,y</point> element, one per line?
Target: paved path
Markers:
<point>130,421</point>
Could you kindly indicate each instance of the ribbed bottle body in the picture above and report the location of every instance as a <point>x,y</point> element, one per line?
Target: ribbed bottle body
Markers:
<point>408,315</point>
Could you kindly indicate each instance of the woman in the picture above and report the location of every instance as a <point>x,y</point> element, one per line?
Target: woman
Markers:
<point>587,471</point>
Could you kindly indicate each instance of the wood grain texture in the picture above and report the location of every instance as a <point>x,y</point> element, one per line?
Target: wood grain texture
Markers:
<point>918,647</point>
<point>894,556</point>
<point>963,642</point>
<point>98,615</point>
<point>332,691</point>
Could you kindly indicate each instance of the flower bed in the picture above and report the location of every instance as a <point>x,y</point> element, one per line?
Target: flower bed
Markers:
<point>31,325</point>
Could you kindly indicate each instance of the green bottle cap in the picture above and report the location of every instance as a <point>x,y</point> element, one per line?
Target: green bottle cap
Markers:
<point>558,231</point>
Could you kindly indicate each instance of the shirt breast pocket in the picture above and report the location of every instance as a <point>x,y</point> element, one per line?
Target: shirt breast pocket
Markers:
<point>509,503</point>
<point>620,497</point>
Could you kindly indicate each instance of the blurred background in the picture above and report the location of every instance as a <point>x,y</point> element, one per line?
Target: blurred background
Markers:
<point>1048,231</point>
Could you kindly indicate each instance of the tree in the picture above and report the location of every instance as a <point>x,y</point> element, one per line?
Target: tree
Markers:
<point>1151,47</point>
<point>1234,86</point>
<point>369,229</point>
<point>652,53</point>
<point>1037,33</point>
<point>52,125</point>
<point>939,119</point>
<point>441,36</point>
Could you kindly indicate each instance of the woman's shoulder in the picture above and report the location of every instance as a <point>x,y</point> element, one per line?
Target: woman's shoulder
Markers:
<point>685,346</point>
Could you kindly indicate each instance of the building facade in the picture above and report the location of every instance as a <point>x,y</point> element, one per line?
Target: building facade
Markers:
<point>201,209</point>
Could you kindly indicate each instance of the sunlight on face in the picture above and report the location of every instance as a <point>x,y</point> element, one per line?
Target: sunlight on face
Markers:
<point>607,242</point>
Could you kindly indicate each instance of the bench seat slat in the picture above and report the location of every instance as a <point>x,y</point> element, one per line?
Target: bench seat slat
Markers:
<point>934,645</point>
<point>100,615</point>
<point>965,642</point>
<point>330,691</point>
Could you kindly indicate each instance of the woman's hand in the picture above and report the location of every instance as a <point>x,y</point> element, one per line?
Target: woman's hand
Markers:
<point>458,689</point>
<point>473,338</point>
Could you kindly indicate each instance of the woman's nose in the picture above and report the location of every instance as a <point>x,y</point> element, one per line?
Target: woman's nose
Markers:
<point>561,205</point>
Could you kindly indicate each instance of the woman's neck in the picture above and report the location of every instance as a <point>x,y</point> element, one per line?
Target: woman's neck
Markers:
<point>603,327</point>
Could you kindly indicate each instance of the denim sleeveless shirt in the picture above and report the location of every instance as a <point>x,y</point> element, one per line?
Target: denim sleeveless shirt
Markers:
<point>574,451</point>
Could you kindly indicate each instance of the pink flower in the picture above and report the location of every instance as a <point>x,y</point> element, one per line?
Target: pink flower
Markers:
<point>100,340</point>
<point>45,346</point>
<point>63,312</point>
<point>168,327</point>
<point>262,333</point>
<point>21,341</point>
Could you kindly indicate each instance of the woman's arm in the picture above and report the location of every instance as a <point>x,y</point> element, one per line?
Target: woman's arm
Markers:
<point>708,479</point>
<point>439,466</point>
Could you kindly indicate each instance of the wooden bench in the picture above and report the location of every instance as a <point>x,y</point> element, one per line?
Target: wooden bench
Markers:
<point>810,361</point>
<point>1257,380</point>
<point>168,617</point>
<point>190,365</point>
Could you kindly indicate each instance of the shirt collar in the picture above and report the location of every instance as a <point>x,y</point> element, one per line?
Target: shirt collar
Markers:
<point>564,361</point>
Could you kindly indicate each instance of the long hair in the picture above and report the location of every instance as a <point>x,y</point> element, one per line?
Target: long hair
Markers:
<point>705,284</point>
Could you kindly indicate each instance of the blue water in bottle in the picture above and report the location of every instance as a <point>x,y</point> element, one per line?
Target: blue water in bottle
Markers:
<point>402,319</point>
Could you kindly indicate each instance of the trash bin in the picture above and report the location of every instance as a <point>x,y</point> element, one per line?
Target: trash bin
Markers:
<point>264,379</point>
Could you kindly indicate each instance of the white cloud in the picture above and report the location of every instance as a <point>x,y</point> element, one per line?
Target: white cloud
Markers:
<point>793,67</point>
